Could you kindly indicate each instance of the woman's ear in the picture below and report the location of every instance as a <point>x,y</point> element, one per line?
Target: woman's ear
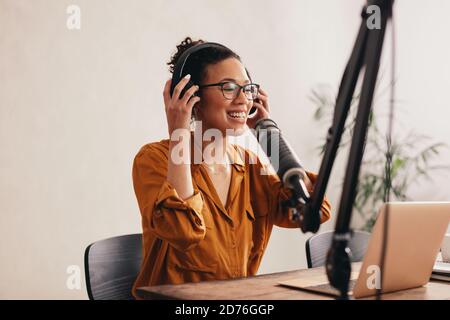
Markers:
<point>195,111</point>
<point>194,114</point>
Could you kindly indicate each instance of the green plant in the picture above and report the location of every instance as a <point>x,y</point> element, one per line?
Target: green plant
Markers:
<point>412,157</point>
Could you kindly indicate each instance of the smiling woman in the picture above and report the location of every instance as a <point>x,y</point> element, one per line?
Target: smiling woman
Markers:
<point>210,217</point>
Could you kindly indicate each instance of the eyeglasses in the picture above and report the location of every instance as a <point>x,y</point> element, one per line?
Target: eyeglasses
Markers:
<point>231,90</point>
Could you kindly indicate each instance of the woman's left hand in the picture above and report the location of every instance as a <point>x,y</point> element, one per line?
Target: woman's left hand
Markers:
<point>263,109</point>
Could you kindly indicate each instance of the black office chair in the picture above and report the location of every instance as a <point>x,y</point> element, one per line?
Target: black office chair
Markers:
<point>111,267</point>
<point>317,247</point>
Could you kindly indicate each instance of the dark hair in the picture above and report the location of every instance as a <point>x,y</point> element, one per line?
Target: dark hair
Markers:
<point>198,61</point>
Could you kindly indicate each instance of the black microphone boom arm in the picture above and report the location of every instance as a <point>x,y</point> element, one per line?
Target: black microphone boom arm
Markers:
<point>366,54</point>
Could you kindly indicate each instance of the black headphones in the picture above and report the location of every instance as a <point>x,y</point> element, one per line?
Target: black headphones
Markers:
<point>179,67</point>
<point>178,71</point>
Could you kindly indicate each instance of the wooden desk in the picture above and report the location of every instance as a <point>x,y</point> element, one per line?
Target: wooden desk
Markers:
<point>266,287</point>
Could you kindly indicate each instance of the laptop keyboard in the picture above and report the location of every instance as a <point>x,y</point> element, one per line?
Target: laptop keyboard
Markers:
<point>329,289</point>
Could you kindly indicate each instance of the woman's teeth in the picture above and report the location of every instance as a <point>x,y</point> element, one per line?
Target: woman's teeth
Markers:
<point>239,115</point>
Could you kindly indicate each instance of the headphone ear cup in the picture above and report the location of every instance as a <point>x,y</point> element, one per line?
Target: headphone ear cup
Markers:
<point>252,111</point>
<point>188,85</point>
<point>175,81</point>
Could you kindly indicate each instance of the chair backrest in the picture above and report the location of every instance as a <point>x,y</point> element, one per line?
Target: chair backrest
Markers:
<point>111,267</point>
<point>317,247</point>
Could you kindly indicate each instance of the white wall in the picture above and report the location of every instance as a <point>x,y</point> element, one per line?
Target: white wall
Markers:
<point>75,106</point>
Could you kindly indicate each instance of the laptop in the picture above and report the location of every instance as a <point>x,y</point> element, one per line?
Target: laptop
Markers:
<point>415,233</point>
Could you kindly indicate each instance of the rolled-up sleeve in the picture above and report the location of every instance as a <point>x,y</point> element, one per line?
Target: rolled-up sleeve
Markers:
<point>164,213</point>
<point>281,214</point>
<point>270,194</point>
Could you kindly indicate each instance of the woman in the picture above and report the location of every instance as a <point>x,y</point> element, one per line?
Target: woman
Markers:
<point>211,218</point>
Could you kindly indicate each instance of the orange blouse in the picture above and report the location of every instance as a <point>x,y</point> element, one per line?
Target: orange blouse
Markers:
<point>199,239</point>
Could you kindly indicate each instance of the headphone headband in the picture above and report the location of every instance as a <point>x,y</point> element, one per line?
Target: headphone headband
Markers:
<point>179,67</point>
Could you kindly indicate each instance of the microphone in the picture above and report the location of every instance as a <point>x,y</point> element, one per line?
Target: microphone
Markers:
<point>281,154</point>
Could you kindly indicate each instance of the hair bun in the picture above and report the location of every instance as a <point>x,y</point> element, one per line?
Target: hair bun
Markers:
<point>182,47</point>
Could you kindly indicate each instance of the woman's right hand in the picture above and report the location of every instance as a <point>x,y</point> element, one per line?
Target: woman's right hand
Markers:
<point>178,111</point>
